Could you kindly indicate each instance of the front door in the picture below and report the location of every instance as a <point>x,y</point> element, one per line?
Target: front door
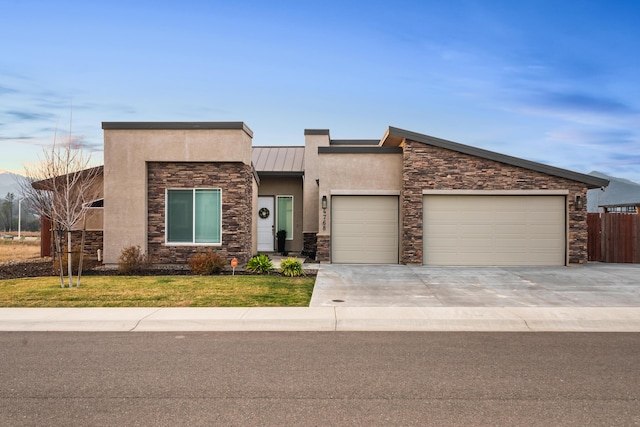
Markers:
<point>266,216</point>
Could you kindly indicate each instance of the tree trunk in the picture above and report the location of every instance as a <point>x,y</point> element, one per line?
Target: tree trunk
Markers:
<point>84,226</point>
<point>58,245</point>
<point>69,259</point>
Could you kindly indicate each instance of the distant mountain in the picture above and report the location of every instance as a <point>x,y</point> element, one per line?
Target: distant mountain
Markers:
<point>619,192</point>
<point>9,184</point>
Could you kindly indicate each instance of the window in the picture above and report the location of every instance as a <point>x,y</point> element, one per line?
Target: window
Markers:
<point>621,209</point>
<point>194,216</point>
<point>285,215</point>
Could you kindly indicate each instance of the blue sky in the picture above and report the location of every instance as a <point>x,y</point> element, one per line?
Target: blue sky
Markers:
<point>549,81</point>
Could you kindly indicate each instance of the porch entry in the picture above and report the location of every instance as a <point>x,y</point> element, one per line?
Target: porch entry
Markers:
<point>266,218</point>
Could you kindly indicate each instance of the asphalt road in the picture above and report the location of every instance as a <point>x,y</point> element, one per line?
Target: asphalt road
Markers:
<point>316,378</point>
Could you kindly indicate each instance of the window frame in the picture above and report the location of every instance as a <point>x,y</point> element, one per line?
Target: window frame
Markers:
<point>278,197</point>
<point>194,217</point>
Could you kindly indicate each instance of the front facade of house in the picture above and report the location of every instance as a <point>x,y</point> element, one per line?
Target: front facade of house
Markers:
<point>175,189</point>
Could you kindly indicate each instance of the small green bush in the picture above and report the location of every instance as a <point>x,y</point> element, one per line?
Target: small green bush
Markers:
<point>207,263</point>
<point>132,260</point>
<point>291,267</point>
<point>260,263</point>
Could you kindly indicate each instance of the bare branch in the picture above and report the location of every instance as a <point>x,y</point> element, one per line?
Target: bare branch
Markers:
<point>60,185</point>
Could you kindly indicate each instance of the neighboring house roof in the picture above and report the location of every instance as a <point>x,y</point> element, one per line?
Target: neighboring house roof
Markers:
<point>278,160</point>
<point>619,192</point>
<point>394,137</point>
<point>45,184</point>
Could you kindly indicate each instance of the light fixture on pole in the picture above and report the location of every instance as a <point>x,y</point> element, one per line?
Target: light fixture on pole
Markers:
<point>19,216</point>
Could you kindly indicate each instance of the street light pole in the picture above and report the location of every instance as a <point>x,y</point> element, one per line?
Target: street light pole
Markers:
<point>19,216</point>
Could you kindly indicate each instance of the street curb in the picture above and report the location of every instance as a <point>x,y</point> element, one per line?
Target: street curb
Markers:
<point>435,319</point>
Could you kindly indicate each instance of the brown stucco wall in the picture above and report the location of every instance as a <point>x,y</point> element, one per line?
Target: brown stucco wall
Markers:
<point>426,167</point>
<point>236,182</point>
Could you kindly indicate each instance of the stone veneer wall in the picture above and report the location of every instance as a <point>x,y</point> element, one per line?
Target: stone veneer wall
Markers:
<point>92,242</point>
<point>235,180</point>
<point>310,243</point>
<point>426,167</point>
<point>323,253</point>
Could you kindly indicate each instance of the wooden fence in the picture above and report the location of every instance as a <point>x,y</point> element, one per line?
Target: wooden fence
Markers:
<point>614,237</point>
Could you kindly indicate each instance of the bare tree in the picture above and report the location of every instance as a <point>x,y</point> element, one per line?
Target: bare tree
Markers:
<point>58,187</point>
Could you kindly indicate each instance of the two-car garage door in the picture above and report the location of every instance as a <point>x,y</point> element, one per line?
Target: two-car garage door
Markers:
<point>494,230</point>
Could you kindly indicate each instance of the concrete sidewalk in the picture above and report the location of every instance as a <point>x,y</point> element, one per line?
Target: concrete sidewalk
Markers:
<point>486,319</point>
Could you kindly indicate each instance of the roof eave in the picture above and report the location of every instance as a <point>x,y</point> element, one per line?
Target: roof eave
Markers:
<point>177,126</point>
<point>281,174</point>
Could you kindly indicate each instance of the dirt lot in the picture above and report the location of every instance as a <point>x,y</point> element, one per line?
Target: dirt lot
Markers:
<point>12,249</point>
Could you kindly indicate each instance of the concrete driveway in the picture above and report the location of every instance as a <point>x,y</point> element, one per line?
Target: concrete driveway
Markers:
<point>590,285</point>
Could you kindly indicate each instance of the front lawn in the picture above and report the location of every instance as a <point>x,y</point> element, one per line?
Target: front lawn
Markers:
<point>159,291</point>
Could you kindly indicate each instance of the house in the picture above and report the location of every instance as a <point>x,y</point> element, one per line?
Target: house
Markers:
<point>620,196</point>
<point>177,188</point>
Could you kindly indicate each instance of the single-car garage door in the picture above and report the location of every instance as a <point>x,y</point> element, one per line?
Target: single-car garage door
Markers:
<point>364,229</point>
<point>494,230</point>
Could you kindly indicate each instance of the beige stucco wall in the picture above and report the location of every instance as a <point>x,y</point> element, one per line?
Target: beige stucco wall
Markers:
<point>357,174</point>
<point>311,174</point>
<point>281,186</point>
<point>254,222</point>
<point>126,152</point>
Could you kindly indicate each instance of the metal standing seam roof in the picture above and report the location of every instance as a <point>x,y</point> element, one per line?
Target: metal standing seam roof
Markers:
<point>278,160</point>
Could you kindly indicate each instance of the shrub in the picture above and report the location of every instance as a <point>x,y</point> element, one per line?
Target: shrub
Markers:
<point>207,263</point>
<point>132,260</point>
<point>291,267</point>
<point>260,263</point>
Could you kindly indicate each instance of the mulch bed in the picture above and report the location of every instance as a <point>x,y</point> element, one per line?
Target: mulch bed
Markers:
<point>44,267</point>
<point>30,268</point>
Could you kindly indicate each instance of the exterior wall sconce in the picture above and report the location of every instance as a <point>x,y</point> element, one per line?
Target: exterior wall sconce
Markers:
<point>579,202</point>
<point>324,213</point>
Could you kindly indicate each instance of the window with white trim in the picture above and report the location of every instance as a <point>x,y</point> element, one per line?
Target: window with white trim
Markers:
<point>284,211</point>
<point>194,216</point>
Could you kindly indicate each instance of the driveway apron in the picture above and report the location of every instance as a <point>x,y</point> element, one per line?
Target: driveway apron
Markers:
<point>591,285</point>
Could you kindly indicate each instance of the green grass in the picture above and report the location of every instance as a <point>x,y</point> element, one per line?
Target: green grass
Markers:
<point>159,291</point>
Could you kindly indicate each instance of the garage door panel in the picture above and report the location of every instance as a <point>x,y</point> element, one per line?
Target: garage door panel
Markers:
<point>364,229</point>
<point>494,230</point>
